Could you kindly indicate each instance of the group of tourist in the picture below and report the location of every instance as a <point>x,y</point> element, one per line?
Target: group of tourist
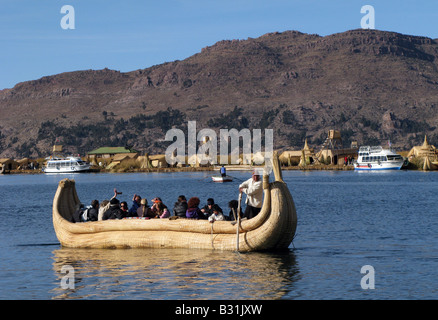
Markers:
<point>114,209</point>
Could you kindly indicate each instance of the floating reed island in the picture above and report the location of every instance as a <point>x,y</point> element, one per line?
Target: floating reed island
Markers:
<point>272,229</point>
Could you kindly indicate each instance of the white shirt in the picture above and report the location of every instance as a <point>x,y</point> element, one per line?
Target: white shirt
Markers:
<point>216,217</point>
<point>254,192</point>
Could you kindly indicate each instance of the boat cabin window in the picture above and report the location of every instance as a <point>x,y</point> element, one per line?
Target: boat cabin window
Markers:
<point>395,157</point>
<point>374,159</point>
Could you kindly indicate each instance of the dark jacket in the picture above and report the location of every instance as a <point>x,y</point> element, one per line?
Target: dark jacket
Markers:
<point>114,212</point>
<point>93,214</point>
<point>231,215</point>
<point>180,209</point>
<point>133,210</point>
<point>77,215</point>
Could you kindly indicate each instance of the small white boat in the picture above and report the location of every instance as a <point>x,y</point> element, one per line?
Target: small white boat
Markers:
<point>66,165</point>
<point>377,158</point>
<point>222,179</point>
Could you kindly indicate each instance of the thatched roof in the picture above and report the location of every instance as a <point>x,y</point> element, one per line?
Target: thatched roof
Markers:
<point>124,156</point>
<point>6,160</point>
<point>425,150</point>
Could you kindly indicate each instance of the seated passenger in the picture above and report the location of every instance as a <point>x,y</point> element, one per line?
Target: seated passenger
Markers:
<point>93,212</point>
<point>216,216</point>
<point>157,200</point>
<point>180,207</point>
<point>193,211</point>
<point>144,211</point>
<point>114,212</point>
<point>105,205</point>
<point>160,210</point>
<point>124,208</point>
<point>77,215</point>
<point>86,214</point>
<point>136,199</point>
<point>209,207</point>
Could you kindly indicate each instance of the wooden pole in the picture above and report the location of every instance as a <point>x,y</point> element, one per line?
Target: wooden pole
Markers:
<point>238,222</point>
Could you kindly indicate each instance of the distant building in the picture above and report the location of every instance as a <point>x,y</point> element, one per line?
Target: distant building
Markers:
<point>7,164</point>
<point>111,152</point>
<point>302,157</point>
<point>425,150</point>
<point>332,151</point>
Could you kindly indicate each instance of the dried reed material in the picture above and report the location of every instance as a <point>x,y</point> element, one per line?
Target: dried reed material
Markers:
<point>273,228</point>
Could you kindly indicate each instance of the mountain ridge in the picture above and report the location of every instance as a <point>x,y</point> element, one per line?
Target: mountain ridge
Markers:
<point>372,85</point>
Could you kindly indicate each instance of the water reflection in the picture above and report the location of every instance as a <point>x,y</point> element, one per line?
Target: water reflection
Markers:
<point>175,274</point>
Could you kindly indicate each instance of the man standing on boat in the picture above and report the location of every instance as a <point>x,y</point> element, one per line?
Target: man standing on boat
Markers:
<point>223,172</point>
<point>253,187</point>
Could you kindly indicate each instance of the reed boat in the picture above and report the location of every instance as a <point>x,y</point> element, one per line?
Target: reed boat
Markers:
<point>273,228</point>
<point>221,179</point>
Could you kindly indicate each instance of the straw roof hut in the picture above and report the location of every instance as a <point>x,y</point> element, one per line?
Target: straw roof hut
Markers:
<point>158,161</point>
<point>425,150</point>
<point>428,153</point>
<point>303,156</point>
<point>8,164</point>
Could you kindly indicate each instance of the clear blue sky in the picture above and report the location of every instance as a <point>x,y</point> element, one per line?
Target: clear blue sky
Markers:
<point>127,35</point>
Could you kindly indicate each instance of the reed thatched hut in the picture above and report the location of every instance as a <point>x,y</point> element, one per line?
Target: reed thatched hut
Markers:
<point>299,157</point>
<point>426,153</point>
<point>425,150</point>
<point>158,161</point>
<point>7,164</point>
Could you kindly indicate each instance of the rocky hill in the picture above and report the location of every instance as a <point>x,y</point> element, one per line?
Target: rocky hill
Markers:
<point>372,85</point>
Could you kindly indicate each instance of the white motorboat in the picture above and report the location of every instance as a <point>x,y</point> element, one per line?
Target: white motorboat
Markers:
<point>66,165</point>
<point>377,158</point>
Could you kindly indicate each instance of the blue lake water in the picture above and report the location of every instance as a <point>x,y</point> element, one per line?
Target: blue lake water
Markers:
<point>346,220</point>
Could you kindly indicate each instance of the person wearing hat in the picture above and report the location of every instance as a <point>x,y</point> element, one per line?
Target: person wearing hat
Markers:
<point>209,207</point>
<point>253,187</point>
<point>180,207</point>
<point>114,211</point>
<point>105,205</point>
<point>159,209</point>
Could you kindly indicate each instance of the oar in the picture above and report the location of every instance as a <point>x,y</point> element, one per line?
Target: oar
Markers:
<point>235,178</point>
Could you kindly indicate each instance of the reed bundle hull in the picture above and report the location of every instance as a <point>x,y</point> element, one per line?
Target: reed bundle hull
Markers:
<point>273,228</point>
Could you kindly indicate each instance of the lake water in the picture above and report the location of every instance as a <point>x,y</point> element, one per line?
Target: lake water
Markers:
<point>346,220</point>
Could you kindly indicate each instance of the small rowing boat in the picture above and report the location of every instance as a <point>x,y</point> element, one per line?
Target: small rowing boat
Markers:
<point>222,179</point>
<point>273,228</point>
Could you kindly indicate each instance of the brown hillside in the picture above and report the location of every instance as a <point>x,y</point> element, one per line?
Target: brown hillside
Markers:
<point>373,85</point>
